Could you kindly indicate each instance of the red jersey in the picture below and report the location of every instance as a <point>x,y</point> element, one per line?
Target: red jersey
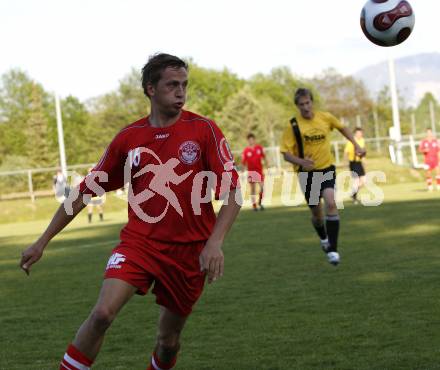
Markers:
<point>171,171</point>
<point>252,158</point>
<point>430,149</point>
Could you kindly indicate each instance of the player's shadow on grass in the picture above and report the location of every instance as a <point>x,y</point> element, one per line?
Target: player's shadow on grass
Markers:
<point>424,191</point>
<point>395,221</point>
<point>396,224</point>
<point>276,293</point>
<point>69,243</point>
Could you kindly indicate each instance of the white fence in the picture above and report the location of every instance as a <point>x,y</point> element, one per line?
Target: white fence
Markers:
<point>22,183</point>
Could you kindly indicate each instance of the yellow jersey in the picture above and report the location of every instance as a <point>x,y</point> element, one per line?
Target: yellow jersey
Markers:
<point>316,139</point>
<point>349,150</point>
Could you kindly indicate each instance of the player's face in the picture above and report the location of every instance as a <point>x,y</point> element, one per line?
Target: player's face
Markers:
<point>429,134</point>
<point>305,106</point>
<point>169,94</point>
<point>251,141</point>
<point>359,134</point>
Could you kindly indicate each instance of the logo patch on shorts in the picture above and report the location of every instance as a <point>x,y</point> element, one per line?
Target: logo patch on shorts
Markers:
<point>189,152</point>
<point>115,261</point>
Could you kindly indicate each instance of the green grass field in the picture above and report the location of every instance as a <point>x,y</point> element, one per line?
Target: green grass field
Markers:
<point>279,305</point>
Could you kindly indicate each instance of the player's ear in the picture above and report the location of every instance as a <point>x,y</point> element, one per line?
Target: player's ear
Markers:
<point>151,89</point>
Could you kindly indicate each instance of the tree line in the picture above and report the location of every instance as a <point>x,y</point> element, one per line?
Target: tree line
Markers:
<point>262,104</point>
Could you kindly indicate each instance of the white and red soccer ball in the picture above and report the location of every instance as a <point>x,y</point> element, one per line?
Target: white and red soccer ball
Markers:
<point>387,22</point>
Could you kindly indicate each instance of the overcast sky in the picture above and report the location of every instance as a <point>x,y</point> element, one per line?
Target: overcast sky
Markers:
<point>84,47</point>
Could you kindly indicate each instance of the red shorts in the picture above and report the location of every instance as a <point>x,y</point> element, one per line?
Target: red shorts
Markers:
<point>431,164</point>
<point>255,176</point>
<point>173,268</point>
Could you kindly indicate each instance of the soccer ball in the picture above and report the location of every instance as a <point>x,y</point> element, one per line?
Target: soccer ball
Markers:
<point>387,22</point>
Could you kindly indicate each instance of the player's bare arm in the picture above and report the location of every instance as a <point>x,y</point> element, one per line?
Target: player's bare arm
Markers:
<point>265,163</point>
<point>349,136</point>
<point>59,221</point>
<point>307,163</point>
<point>243,161</point>
<point>211,258</point>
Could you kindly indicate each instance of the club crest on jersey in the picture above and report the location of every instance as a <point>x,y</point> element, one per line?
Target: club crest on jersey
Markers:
<point>134,156</point>
<point>225,150</point>
<point>189,152</point>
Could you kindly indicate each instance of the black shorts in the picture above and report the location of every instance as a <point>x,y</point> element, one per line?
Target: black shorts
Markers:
<point>357,168</point>
<point>314,182</point>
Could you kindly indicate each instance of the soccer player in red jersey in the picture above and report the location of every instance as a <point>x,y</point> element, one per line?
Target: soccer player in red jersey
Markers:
<point>252,158</point>
<point>430,147</point>
<point>171,159</point>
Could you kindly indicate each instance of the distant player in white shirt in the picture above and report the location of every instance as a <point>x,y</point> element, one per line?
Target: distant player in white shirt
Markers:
<point>60,186</point>
<point>97,202</point>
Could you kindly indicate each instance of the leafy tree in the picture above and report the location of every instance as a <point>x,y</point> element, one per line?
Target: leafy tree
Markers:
<point>274,118</point>
<point>279,85</point>
<point>423,112</point>
<point>21,98</point>
<point>37,146</point>
<point>76,127</point>
<point>208,89</point>
<point>245,113</point>
<point>343,96</point>
<point>113,111</point>
<point>384,111</point>
<point>262,105</point>
<point>132,98</point>
<point>15,106</point>
<point>239,117</point>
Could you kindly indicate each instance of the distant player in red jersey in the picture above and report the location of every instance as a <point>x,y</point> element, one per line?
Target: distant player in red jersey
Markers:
<point>171,160</point>
<point>430,147</point>
<point>252,157</point>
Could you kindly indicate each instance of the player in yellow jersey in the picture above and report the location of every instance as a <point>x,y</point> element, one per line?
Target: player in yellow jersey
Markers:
<point>355,163</point>
<point>315,166</point>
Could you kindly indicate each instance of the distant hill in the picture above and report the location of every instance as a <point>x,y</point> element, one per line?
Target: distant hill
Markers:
<point>415,75</point>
